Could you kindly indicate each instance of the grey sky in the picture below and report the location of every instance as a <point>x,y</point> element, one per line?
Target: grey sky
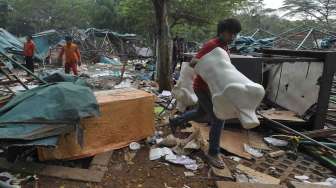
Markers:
<point>273,3</point>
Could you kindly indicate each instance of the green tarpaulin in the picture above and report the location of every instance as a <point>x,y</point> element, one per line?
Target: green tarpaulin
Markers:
<point>64,101</point>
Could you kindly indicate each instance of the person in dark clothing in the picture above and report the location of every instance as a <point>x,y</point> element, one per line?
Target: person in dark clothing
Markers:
<point>226,32</point>
<point>178,50</point>
<point>29,51</point>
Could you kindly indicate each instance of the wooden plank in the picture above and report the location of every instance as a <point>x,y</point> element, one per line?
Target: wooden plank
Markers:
<point>225,172</point>
<point>307,185</point>
<point>227,184</point>
<point>86,175</point>
<point>260,177</point>
<point>101,161</point>
<point>320,133</point>
<point>281,115</point>
<point>256,140</point>
<point>126,116</point>
<point>326,81</point>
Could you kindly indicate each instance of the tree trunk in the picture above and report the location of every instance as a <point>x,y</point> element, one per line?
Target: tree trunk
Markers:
<point>163,52</point>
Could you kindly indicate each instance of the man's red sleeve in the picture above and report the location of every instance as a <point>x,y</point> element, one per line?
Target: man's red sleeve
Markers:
<point>207,47</point>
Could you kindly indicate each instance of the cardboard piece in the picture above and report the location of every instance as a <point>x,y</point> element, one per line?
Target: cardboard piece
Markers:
<point>231,140</point>
<point>126,115</point>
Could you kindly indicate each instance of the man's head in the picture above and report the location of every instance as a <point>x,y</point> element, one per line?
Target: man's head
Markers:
<point>29,38</point>
<point>228,29</point>
<point>68,40</point>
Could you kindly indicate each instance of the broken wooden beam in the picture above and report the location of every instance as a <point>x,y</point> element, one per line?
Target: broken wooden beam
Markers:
<point>87,175</point>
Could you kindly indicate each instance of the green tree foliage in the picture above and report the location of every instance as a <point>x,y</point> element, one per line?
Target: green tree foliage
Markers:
<point>30,16</point>
<point>5,9</point>
<point>192,19</point>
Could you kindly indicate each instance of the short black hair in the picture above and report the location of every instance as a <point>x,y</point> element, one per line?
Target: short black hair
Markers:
<point>231,25</point>
<point>68,38</point>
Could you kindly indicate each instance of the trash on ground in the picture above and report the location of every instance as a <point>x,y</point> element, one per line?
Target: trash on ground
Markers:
<point>275,142</point>
<point>252,151</point>
<point>134,146</point>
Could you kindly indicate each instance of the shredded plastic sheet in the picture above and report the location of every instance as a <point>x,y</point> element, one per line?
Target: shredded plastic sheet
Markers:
<point>45,40</point>
<point>157,153</point>
<point>9,42</point>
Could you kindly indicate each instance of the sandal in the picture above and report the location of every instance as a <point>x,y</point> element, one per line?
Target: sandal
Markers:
<point>215,161</point>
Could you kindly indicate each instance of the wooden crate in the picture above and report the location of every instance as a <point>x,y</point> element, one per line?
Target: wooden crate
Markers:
<point>126,116</point>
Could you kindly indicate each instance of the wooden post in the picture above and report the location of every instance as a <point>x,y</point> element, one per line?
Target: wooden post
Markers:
<point>327,78</point>
<point>164,48</point>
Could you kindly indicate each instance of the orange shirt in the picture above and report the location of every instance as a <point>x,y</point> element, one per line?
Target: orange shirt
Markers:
<point>29,49</point>
<point>71,52</point>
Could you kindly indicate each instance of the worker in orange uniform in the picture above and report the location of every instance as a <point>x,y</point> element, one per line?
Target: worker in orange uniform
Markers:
<point>28,52</point>
<point>72,56</point>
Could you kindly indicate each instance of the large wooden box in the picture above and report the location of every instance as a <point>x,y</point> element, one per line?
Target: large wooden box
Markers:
<point>126,116</point>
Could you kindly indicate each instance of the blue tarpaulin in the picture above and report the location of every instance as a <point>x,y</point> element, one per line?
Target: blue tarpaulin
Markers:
<point>44,41</point>
<point>9,43</point>
<point>327,42</point>
<point>244,44</point>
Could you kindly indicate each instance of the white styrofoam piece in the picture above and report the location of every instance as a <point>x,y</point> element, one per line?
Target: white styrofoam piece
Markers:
<point>183,90</point>
<point>233,94</point>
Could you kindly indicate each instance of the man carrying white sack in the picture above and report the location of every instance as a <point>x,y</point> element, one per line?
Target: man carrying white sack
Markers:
<point>227,30</point>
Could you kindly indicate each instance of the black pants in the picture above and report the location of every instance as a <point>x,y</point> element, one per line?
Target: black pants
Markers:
<point>30,63</point>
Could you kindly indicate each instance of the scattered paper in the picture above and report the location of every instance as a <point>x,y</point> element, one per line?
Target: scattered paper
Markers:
<point>302,178</point>
<point>254,152</point>
<point>328,182</point>
<point>275,142</point>
<point>134,146</point>
<point>124,84</point>
<point>165,94</point>
<point>157,153</point>
<point>189,174</point>
<point>234,158</point>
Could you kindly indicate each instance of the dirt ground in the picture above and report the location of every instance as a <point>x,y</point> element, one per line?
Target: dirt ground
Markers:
<point>134,169</point>
<point>138,172</point>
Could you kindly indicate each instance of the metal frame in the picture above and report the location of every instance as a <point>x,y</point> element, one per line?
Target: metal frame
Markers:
<point>279,56</point>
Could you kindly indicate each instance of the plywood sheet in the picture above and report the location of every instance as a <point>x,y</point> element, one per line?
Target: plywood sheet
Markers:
<point>126,116</point>
<point>281,115</point>
<point>87,175</point>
